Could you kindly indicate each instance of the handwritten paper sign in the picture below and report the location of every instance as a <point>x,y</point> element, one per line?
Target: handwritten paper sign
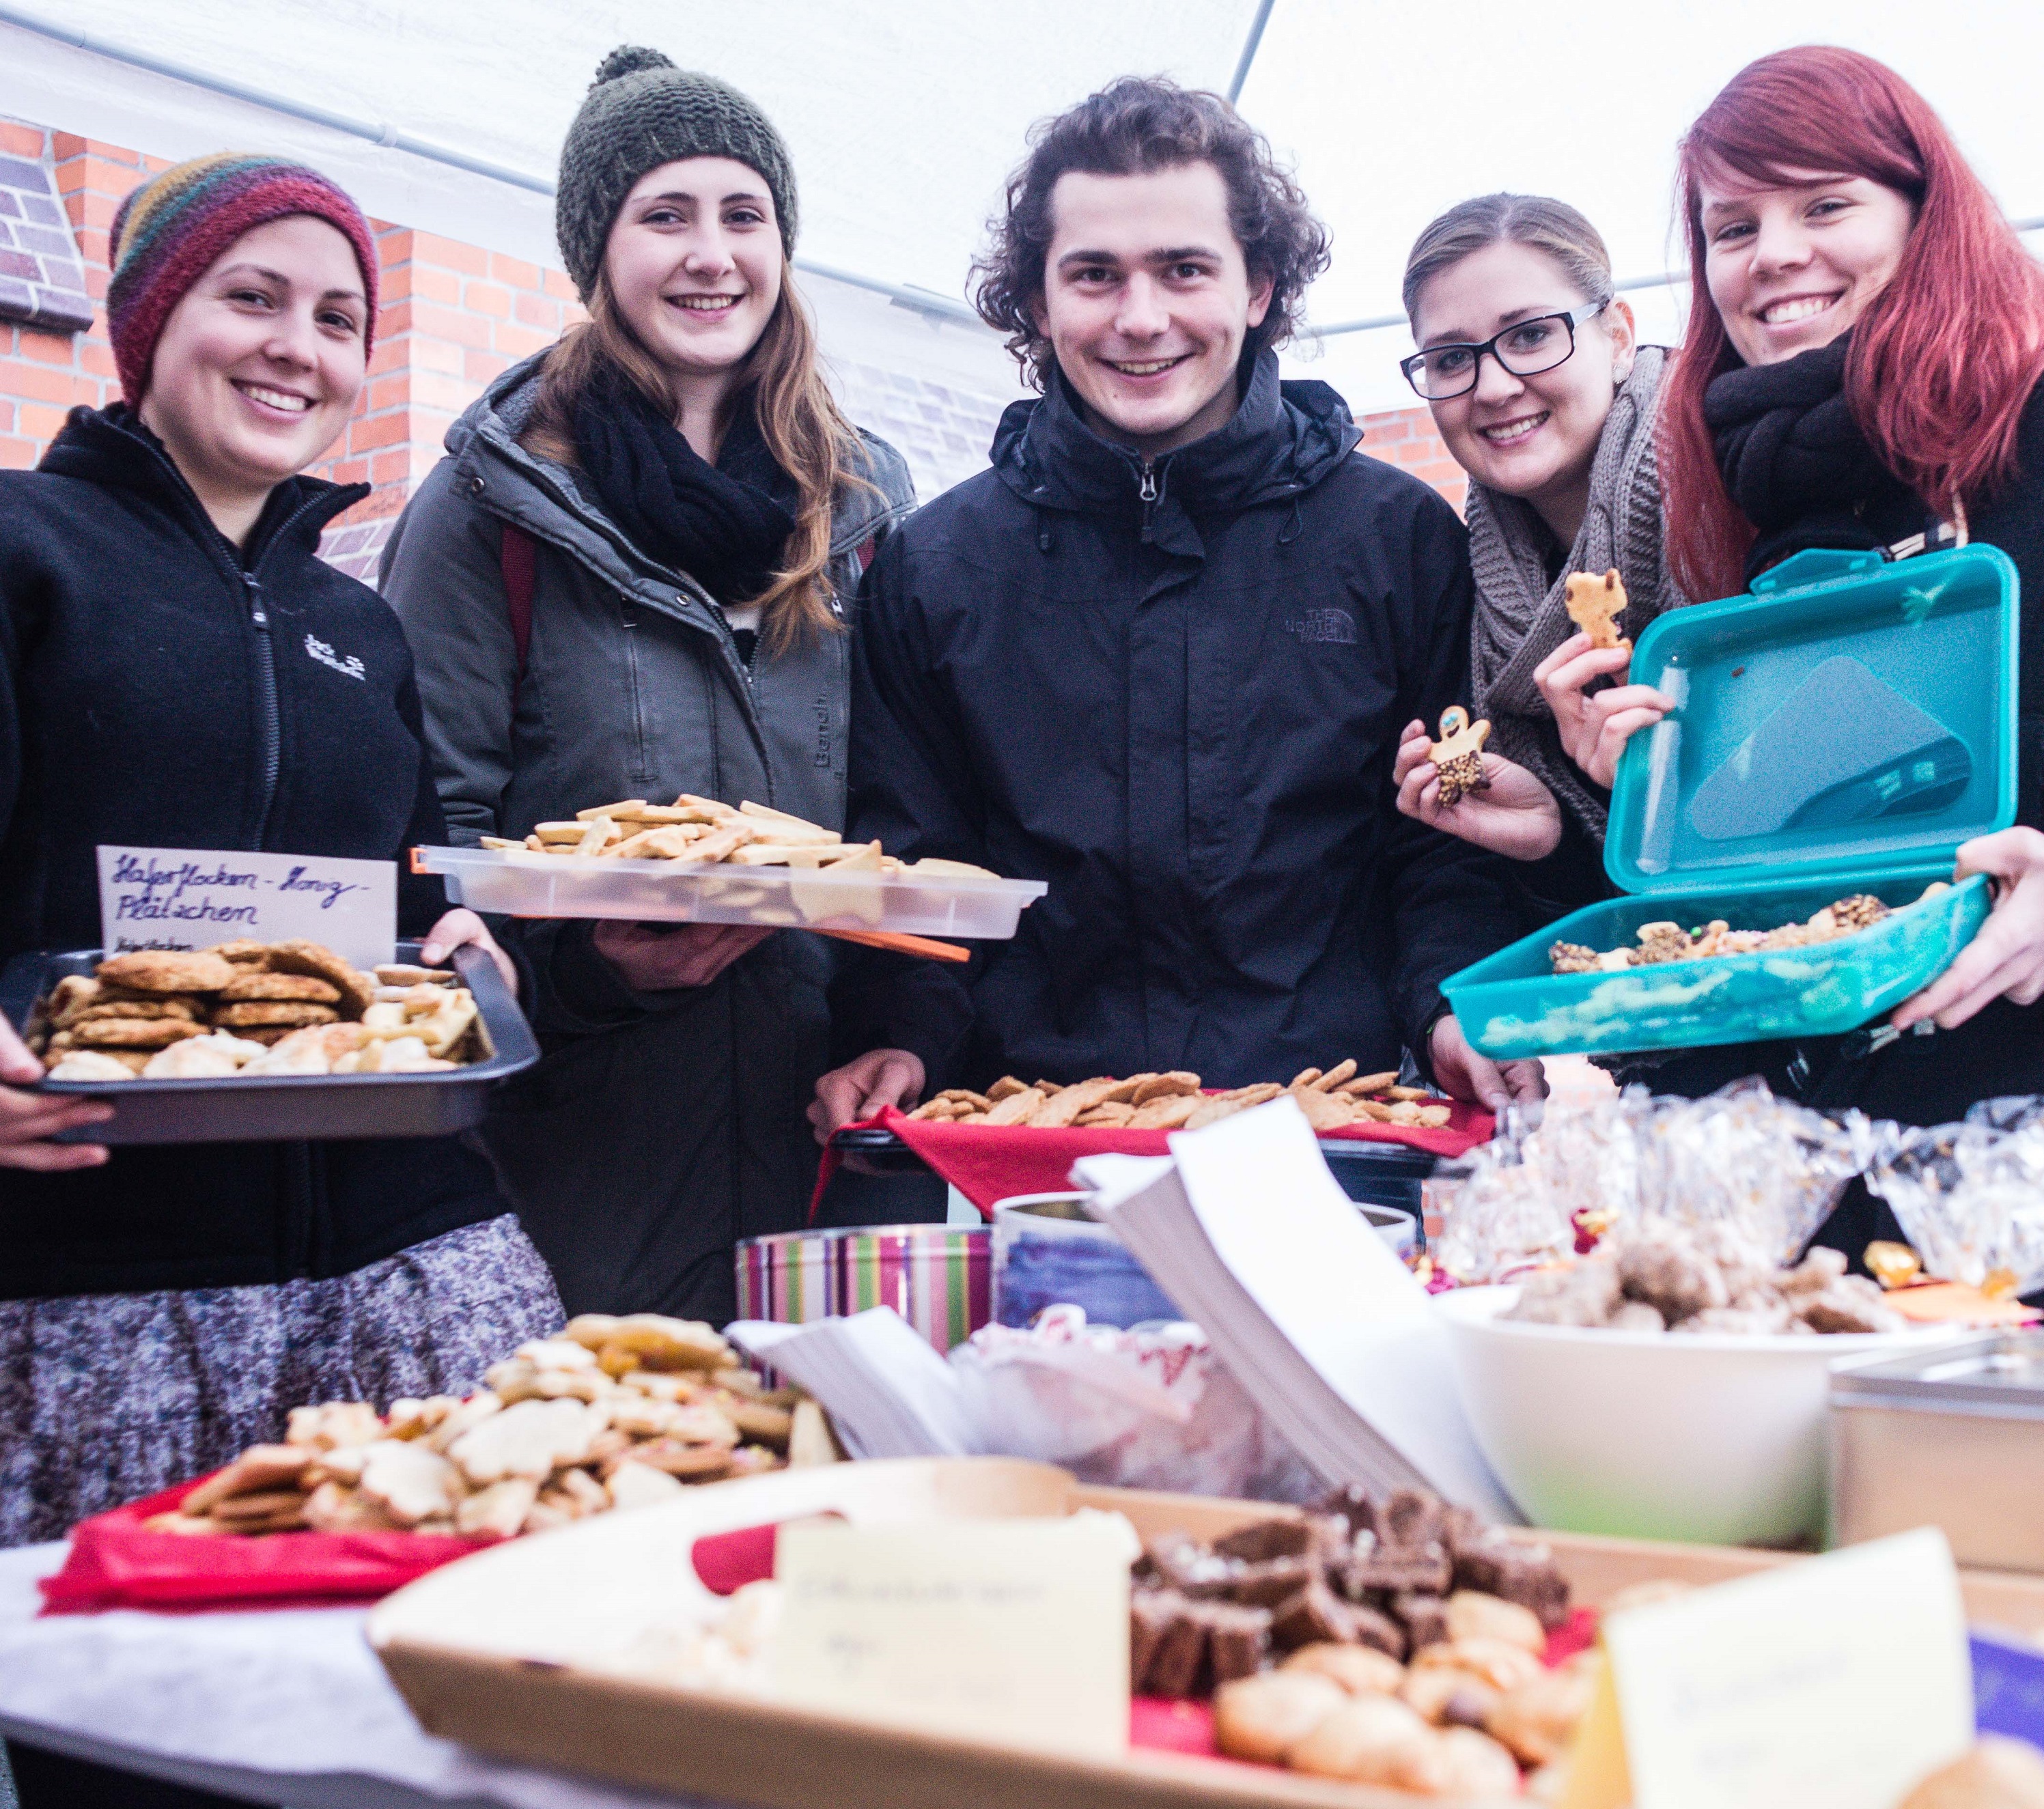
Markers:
<point>1835,1682</point>
<point>194,897</point>
<point>1010,1631</point>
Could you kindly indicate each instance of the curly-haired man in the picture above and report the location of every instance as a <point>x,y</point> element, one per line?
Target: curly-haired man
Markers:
<point>1159,656</point>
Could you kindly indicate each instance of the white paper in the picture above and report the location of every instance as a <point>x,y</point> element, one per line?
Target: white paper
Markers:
<point>1336,1292</point>
<point>887,1393</point>
<point>187,898</point>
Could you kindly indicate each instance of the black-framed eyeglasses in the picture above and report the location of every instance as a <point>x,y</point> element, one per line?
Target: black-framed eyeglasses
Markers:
<point>1525,348</point>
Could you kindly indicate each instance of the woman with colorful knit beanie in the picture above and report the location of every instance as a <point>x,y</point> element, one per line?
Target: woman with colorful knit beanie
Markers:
<point>634,579</point>
<point>179,669</point>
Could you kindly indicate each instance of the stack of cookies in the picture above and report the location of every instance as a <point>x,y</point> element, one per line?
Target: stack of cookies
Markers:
<point>608,1413</point>
<point>291,1007</point>
<point>1398,1643</point>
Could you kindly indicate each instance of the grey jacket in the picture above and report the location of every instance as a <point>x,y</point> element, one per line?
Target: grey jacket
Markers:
<point>659,1127</point>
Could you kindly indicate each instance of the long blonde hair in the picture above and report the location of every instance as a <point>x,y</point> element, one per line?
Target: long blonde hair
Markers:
<point>783,382</point>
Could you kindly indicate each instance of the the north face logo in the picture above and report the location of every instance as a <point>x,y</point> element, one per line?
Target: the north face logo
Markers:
<point>1335,626</point>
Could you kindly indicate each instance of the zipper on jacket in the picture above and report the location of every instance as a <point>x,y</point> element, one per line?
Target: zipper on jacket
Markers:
<point>629,622</point>
<point>266,680</point>
<point>1146,488</point>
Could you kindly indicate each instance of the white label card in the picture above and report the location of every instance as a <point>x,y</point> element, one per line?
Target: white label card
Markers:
<point>187,898</point>
<point>1834,1683</point>
<point>1014,1632</point>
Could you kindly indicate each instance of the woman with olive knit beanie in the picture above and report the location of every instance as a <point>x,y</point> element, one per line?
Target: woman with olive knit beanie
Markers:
<point>633,578</point>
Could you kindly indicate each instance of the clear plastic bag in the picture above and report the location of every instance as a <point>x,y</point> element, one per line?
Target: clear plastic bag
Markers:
<point>1740,1159</point>
<point>1970,1196</point>
<point>1147,1409</point>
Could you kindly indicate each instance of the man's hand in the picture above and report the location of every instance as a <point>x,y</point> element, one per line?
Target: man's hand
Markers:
<point>657,958</point>
<point>1466,1075</point>
<point>859,1090</point>
<point>2006,958</point>
<point>28,1120</point>
<point>1515,816</point>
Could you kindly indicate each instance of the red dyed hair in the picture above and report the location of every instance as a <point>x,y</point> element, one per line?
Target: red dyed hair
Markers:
<point>1944,359</point>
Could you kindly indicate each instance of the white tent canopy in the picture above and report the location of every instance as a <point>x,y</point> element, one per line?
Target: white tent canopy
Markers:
<point>905,115</point>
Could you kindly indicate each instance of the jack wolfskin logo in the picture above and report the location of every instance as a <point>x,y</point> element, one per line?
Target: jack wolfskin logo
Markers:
<point>351,667</point>
<point>1335,626</point>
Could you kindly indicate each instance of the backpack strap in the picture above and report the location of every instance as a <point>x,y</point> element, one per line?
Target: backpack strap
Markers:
<point>518,557</point>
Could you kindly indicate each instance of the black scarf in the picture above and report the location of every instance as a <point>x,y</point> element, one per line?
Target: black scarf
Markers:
<point>726,525</point>
<point>1795,460</point>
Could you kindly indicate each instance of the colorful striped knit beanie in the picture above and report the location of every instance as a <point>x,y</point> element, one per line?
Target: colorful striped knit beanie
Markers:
<point>169,231</point>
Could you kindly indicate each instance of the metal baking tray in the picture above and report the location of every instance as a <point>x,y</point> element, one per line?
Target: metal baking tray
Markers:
<point>271,1108</point>
<point>521,884</point>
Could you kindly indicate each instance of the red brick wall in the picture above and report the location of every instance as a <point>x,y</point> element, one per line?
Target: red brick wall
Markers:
<point>44,375</point>
<point>454,316</point>
<point>1407,438</point>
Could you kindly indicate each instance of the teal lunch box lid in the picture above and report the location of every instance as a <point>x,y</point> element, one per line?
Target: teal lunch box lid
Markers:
<point>1850,716</point>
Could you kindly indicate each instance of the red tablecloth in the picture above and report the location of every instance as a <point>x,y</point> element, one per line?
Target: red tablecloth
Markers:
<point>114,1563</point>
<point>988,1163</point>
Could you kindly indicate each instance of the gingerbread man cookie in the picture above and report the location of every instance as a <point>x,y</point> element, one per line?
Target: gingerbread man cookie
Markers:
<point>1594,605</point>
<point>1457,756</point>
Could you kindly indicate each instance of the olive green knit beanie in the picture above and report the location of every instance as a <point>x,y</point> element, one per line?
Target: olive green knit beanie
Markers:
<point>642,112</point>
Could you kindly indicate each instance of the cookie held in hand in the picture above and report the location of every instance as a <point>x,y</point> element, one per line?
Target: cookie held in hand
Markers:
<point>1457,756</point>
<point>1595,603</point>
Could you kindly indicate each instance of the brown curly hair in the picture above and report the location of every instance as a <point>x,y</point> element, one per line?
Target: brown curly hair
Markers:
<point>1132,127</point>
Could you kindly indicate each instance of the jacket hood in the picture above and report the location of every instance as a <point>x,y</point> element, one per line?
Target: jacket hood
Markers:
<point>1283,438</point>
<point>111,446</point>
<point>498,415</point>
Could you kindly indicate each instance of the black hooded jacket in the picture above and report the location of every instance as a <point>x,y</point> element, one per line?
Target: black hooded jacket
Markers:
<point>160,688</point>
<point>1173,691</point>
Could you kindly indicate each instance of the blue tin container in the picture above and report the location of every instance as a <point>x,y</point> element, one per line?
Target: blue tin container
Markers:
<point>1841,729</point>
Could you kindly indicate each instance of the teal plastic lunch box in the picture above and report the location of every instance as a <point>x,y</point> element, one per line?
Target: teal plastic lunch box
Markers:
<point>1841,729</point>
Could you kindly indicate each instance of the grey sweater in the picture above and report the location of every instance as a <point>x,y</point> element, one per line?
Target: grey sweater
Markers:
<point>1521,617</point>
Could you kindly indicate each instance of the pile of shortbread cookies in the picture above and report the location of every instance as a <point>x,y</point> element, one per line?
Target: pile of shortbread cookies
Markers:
<point>1332,1099</point>
<point>607,1413</point>
<point>250,1008</point>
<point>703,830</point>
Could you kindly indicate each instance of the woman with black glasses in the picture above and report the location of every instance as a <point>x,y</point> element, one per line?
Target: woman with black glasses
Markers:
<point>1543,394</point>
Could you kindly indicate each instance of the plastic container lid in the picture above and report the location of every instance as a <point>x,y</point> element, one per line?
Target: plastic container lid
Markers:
<point>1852,716</point>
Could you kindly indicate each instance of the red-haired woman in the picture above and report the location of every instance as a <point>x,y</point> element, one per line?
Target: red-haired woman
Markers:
<point>1865,348</point>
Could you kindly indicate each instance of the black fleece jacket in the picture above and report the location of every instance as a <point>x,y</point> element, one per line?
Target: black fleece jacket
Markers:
<point>160,688</point>
<point>1173,691</point>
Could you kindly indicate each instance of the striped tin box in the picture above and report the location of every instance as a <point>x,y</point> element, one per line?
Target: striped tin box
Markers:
<point>938,1277</point>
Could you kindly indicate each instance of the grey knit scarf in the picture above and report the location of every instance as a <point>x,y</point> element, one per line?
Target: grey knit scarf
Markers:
<point>1520,618</point>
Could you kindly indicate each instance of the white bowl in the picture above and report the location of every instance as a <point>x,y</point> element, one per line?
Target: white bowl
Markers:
<point>1712,1437</point>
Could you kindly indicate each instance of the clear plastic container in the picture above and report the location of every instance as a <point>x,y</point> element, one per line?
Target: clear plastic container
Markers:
<point>522,884</point>
<point>1842,730</point>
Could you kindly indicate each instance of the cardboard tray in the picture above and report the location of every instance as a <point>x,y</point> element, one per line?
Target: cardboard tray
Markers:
<point>492,1652</point>
<point>282,1107</point>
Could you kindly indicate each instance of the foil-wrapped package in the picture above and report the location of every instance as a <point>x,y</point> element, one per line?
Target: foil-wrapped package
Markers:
<point>1970,1196</point>
<point>1740,1159</point>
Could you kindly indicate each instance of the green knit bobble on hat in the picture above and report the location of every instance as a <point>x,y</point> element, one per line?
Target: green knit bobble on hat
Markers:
<point>642,112</point>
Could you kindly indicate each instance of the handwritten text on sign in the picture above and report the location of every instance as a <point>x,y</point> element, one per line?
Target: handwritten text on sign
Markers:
<point>1010,1631</point>
<point>194,897</point>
